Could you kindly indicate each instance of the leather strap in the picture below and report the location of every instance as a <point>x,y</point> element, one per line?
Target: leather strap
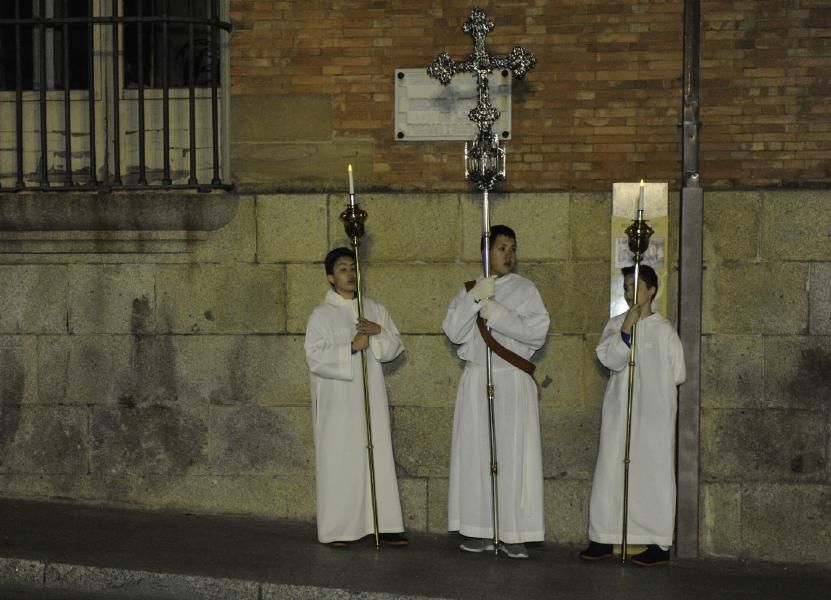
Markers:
<point>501,351</point>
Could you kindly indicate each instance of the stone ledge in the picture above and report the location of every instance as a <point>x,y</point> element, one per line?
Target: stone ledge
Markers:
<point>118,211</point>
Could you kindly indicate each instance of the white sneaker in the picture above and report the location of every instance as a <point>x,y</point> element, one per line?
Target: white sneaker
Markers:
<point>513,550</point>
<point>477,545</point>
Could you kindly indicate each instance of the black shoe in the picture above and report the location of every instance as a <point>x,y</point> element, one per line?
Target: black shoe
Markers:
<point>393,539</point>
<point>597,551</point>
<point>651,557</point>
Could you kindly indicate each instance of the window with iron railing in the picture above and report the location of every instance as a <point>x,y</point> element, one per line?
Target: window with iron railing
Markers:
<point>113,94</point>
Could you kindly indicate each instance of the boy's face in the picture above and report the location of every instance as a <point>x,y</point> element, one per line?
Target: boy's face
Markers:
<point>344,278</point>
<point>645,294</point>
<point>503,255</point>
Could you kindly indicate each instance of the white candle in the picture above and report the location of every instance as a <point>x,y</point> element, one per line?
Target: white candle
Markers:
<point>351,182</point>
<point>640,198</point>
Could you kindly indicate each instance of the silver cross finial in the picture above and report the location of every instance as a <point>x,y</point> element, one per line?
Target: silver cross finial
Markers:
<point>519,61</point>
<point>485,161</point>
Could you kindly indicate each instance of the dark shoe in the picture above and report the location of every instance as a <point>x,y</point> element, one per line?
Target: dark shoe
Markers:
<point>651,557</point>
<point>513,550</point>
<point>393,539</point>
<point>339,544</point>
<point>597,551</point>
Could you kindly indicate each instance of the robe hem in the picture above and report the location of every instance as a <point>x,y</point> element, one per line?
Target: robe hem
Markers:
<point>353,538</point>
<point>631,539</point>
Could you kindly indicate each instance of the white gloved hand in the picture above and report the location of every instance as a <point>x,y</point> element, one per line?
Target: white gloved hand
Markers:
<point>484,288</point>
<point>487,308</point>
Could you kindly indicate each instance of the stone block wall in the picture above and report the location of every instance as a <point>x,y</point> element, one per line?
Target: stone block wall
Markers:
<point>173,376</point>
<point>766,398</point>
<point>169,373</point>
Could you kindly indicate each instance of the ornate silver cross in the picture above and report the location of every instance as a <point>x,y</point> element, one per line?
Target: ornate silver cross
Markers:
<point>485,162</point>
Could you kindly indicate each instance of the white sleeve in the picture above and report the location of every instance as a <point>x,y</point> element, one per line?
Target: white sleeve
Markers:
<point>676,358</point>
<point>388,344</point>
<point>460,320</point>
<point>612,351</point>
<point>527,325</point>
<point>328,352</point>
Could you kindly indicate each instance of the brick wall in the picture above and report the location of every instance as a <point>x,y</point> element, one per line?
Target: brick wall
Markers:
<point>602,105</point>
<point>766,78</point>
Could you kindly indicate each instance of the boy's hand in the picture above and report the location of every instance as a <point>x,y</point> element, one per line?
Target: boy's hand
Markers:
<point>633,315</point>
<point>484,288</point>
<point>486,309</point>
<point>367,327</point>
<point>360,342</point>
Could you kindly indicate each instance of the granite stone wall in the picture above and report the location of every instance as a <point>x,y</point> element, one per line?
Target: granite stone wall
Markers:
<point>166,370</point>
<point>766,396</point>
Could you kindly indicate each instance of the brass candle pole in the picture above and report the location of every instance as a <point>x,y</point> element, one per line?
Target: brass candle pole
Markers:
<point>484,165</point>
<point>638,233</point>
<point>353,223</point>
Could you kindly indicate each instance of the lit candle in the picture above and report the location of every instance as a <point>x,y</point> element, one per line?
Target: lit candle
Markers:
<point>352,182</point>
<point>640,199</point>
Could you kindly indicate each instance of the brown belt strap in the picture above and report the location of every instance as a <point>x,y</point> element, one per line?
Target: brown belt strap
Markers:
<point>501,351</point>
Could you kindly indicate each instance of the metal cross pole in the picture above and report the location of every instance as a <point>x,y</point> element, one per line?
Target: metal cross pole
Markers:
<point>484,165</point>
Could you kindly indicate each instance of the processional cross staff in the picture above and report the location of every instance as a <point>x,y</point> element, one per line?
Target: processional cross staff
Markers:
<point>484,165</point>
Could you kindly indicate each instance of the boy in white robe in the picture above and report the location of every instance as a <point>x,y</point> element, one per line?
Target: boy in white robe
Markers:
<point>659,369</point>
<point>334,340</point>
<point>518,320</point>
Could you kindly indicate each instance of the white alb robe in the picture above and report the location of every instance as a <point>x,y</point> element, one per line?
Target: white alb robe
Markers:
<point>520,323</point>
<point>659,368</point>
<point>344,500</point>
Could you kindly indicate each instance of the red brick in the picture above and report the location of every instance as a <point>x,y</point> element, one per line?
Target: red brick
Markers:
<point>603,100</point>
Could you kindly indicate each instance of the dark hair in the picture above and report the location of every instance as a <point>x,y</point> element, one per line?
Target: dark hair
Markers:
<point>645,273</point>
<point>333,256</point>
<point>497,230</point>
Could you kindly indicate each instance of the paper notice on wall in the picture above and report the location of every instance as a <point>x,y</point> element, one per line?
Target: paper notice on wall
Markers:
<point>624,212</point>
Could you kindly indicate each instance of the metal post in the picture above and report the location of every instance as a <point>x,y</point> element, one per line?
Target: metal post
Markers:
<point>44,149</point>
<point>192,179</point>
<point>690,294</point>
<point>116,90</point>
<point>93,163</point>
<point>494,464</point>
<point>166,180</point>
<point>67,105</point>
<point>214,91</point>
<point>142,132</point>
<point>18,97</point>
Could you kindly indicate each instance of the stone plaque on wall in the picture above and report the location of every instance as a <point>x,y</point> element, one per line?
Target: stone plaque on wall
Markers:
<point>426,110</point>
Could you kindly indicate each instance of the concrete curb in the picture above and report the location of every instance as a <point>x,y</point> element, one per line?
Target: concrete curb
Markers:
<point>83,578</point>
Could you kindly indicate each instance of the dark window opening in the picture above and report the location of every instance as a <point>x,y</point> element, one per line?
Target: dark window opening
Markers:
<point>179,57</point>
<point>23,37</point>
<point>51,47</point>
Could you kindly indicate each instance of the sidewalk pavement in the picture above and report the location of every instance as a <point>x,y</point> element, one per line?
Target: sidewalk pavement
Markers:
<point>59,550</point>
